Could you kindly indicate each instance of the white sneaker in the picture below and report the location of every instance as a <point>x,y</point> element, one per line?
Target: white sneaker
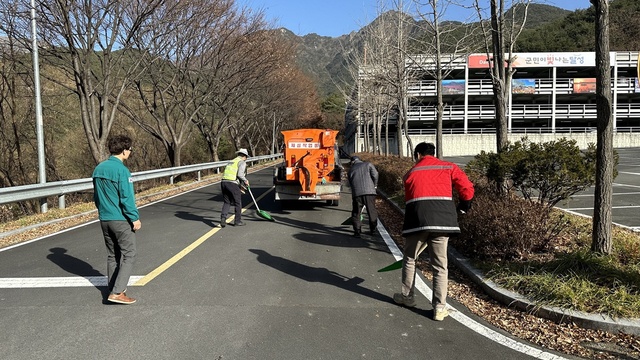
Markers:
<point>440,312</point>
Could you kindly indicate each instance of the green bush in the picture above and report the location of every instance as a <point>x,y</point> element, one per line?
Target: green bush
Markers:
<point>546,173</point>
<point>512,218</point>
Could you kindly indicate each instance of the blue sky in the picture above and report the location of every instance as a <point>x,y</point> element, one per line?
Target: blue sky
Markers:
<point>340,17</point>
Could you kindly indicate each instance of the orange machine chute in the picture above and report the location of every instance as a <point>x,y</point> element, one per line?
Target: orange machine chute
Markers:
<point>309,160</point>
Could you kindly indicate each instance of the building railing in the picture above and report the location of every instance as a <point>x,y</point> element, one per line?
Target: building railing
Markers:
<point>562,86</point>
<point>61,188</point>
<point>520,111</point>
<point>558,130</point>
<point>459,60</point>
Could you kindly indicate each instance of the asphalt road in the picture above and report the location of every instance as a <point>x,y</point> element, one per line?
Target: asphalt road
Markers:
<point>626,192</point>
<point>297,288</point>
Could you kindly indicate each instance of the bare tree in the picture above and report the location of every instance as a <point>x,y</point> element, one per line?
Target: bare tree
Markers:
<point>602,217</point>
<point>17,132</point>
<point>500,35</point>
<point>91,42</point>
<point>245,55</point>
<point>380,74</point>
<point>287,99</point>
<point>452,37</point>
<point>174,87</point>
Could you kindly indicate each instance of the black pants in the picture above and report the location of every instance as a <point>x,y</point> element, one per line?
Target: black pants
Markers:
<point>231,196</point>
<point>370,202</point>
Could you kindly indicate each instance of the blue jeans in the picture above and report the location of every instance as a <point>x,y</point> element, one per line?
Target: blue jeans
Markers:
<point>120,240</point>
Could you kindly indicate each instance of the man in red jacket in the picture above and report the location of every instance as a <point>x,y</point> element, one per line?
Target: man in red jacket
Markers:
<point>430,216</point>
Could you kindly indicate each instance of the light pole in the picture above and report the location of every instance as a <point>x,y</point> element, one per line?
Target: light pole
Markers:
<point>42,175</point>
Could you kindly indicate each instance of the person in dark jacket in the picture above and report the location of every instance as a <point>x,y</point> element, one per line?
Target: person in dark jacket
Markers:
<point>363,180</point>
<point>119,219</point>
<point>430,216</point>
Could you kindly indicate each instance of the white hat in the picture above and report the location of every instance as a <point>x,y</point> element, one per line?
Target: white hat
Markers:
<point>243,151</point>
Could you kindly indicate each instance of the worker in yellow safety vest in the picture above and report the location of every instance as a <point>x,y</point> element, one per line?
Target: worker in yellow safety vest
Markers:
<point>233,178</point>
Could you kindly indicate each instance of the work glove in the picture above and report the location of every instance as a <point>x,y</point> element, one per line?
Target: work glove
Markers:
<point>464,206</point>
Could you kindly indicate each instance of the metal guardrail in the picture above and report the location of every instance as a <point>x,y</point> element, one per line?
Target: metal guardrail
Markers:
<point>61,188</point>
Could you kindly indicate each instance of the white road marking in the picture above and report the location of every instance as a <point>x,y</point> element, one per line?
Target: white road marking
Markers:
<point>52,282</point>
<point>614,194</point>
<point>613,207</point>
<point>627,185</point>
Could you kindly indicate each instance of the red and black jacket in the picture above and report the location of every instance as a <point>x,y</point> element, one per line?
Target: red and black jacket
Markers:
<point>428,195</point>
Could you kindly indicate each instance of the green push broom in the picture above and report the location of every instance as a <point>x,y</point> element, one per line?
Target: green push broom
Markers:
<point>398,264</point>
<point>261,213</point>
<point>349,221</point>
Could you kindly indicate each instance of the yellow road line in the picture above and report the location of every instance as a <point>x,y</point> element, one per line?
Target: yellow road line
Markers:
<point>167,264</point>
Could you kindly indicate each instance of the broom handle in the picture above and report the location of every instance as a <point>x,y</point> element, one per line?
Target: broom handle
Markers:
<point>422,248</point>
<point>254,199</point>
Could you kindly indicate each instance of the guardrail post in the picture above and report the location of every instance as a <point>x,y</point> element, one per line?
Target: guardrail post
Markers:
<point>61,203</point>
<point>171,180</point>
<point>199,175</point>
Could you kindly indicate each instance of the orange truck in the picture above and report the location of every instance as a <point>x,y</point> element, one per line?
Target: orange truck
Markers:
<point>311,168</point>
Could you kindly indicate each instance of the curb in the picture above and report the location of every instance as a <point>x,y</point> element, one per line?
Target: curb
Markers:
<point>556,314</point>
<point>517,301</point>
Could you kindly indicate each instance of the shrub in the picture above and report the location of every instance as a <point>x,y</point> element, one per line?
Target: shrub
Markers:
<point>391,169</point>
<point>546,173</point>
<point>505,228</point>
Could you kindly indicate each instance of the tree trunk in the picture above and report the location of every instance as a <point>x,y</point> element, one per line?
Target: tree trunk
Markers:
<point>386,134</point>
<point>601,236</point>
<point>498,73</point>
<point>440,109</point>
<point>500,101</point>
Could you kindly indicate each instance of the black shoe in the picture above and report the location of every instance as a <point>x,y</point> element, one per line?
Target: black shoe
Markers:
<point>239,223</point>
<point>356,235</point>
<point>373,232</point>
<point>223,222</point>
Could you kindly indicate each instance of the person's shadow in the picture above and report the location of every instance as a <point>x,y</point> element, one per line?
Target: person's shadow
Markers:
<point>317,274</point>
<point>78,267</point>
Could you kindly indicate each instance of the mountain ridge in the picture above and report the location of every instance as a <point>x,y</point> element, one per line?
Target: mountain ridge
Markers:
<point>323,58</point>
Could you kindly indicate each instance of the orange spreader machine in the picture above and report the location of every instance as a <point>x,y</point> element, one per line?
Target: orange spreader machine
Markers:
<point>311,168</point>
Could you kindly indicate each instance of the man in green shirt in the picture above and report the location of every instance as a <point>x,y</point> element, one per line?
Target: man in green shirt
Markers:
<point>115,199</point>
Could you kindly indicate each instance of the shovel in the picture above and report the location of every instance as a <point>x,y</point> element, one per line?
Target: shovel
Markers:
<point>398,264</point>
<point>349,221</point>
<point>263,214</point>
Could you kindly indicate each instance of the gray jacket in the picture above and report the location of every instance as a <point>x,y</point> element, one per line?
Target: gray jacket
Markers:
<point>363,178</point>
